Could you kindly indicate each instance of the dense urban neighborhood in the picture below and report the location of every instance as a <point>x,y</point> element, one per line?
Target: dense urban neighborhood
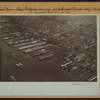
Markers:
<point>48,48</point>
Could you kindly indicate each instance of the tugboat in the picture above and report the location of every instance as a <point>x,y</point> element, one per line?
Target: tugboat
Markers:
<point>12,78</point>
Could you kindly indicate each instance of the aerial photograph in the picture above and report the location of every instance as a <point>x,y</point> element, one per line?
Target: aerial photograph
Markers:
<point>48,48</point>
